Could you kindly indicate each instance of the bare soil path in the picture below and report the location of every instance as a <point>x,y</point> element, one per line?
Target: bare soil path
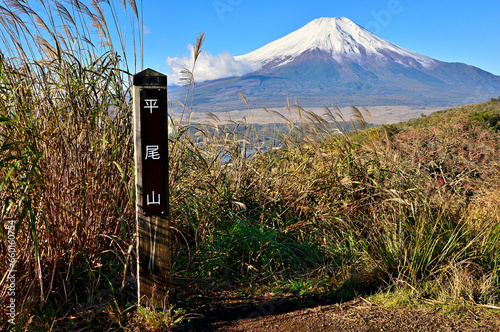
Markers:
<point>227,312</point>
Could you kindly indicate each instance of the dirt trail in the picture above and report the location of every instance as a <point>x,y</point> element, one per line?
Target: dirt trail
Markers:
<point>226,313</point>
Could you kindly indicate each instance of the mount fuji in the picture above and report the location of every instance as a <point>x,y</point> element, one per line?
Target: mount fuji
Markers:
<point>340,38</point>
<point>335,61</point>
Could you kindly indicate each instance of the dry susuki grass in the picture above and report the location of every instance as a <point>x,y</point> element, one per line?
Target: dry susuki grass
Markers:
<point>412,204</point>
<point>65,160</point>
<point>322,200</point>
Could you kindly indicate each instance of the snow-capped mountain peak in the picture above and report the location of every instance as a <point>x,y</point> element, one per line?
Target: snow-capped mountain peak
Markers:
<point>335,61</point>
<point>341,38</point>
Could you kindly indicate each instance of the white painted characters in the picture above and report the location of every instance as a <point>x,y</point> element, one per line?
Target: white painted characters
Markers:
<point>151,104</point>
<point>154,200</point>
<point>152,152</point>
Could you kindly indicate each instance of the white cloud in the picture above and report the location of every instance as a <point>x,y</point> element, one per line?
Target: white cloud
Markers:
<point>210,67</point>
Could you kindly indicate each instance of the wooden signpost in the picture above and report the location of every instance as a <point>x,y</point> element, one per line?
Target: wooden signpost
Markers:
<point>151,179</point>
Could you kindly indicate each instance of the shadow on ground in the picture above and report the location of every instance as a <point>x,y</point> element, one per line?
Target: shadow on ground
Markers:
<point>214,310</point>
<point>215,315</point>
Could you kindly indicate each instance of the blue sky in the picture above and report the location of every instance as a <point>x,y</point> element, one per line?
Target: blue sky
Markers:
<point>465,31</point>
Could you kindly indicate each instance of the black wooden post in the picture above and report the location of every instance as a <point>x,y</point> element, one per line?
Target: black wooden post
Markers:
<point>151,179</point>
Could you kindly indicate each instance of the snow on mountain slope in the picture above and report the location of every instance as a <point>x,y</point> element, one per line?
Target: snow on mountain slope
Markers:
<point>341,38</point>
